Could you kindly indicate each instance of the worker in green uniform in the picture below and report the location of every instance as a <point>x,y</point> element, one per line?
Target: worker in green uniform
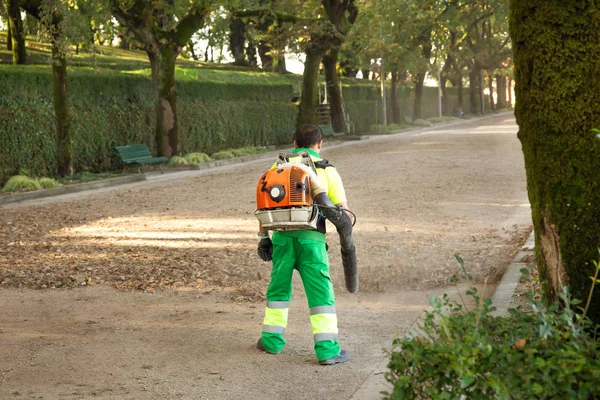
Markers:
<point>306,251</point>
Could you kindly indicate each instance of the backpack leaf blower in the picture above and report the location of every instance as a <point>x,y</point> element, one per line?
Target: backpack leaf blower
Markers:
<point>291,197</point>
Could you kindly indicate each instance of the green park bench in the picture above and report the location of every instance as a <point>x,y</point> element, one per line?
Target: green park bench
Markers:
<point>138,154</point>
<point>328,131</point>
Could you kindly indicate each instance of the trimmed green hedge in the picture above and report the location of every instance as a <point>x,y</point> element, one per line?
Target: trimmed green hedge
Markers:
<point>111,109</point>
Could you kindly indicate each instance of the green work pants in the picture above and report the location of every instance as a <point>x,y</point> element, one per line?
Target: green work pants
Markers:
<point>309,257</point>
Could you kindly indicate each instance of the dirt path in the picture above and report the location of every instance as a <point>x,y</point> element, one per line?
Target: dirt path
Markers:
<point>188,246</point>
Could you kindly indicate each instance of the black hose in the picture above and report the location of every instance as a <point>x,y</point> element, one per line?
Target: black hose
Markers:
<point>338,217</point>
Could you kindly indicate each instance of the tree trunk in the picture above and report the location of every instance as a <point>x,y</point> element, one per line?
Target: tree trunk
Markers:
<point>334,92</point>
<point>124,43</point>
<point>443,82</point>
<point>501,91</point>
<point>461,94</point>
<point>162,63</point>
<point>251,53</point>
<point>17,33</point>
<point>280,65</point>
<point>491,89</point>
<point>265,57</point>
<point>237,40</point>
<point>556,111</point>
<point>64,140</point>
<point>9,45</point>
<point>417,114</point>
<point>474,100</point>
<point>365,73</point>
<point>394,99</point>
<point>307,114</point>
<point>510,92</point>
<point>193,51</point>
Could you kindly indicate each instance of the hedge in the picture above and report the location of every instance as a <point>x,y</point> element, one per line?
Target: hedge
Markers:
<point>110,109</point>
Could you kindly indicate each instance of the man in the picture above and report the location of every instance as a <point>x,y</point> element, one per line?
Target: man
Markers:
<point>306,251</point>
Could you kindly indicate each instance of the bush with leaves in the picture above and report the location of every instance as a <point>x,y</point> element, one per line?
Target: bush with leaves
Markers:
<point>176,160</point>
<point>223,155</point>
<point>461,353</point>
<point>197,158</point>
<point>21,183</point>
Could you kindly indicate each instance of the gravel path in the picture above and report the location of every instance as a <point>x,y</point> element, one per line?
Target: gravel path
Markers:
<point>175,303</point>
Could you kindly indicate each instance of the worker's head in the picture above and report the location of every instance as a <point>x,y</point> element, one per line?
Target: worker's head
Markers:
<point>308,136</point>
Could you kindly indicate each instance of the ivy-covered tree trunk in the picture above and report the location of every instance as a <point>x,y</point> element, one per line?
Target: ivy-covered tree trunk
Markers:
<point>307,114</point>
<point>19,54</point>
<point>64,140</point>
<point>334,92</point>
<point>162,63</point>
<point>557,64</point>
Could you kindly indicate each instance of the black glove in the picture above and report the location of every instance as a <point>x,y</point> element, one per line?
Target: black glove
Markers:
<point>265,249</point>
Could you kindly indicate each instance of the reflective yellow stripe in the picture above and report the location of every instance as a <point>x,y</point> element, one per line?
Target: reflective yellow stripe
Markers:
<point>324,323</point>
<point>276,317</point>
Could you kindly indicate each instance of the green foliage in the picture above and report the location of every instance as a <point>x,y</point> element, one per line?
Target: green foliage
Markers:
<point>110,109</point>
<point>388,128</point>
<point>197,158</point>
<point>223,155</point>
<point>442,120</point>
<point>20,183</point>
<point>422,122</point>
<point>176,160</point>
<point>468,353</point>
<point>85,176</point>
<point>48,183</point>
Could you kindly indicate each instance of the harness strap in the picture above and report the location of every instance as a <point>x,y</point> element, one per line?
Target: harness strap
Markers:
<point>323,164</point>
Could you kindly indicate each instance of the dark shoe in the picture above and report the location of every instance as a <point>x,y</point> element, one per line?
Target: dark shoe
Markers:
<point>261,347</point>
<point>341,358</point>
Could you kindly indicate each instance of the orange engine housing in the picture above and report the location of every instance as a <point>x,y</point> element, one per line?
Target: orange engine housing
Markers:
<point>283,187</point>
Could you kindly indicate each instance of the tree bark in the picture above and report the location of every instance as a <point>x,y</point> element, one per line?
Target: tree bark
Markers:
<point>19,54</point>
<point>417,107</point>
<point>474,99</point>
<point>510,92</point>
<point>162,63</point>
<point>265,57</point>
<point>9,44</point>
<point>556,110</point>
<point>443,82</point>
<point>237,40</point>
<point>334,92</point>
<point>395,105</point>
<point>64,140</point>
<point>501,90</point>
<point>491,89</point>
<point>307,114</point>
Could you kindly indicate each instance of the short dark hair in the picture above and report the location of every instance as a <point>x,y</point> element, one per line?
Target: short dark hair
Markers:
<point>308,135</point>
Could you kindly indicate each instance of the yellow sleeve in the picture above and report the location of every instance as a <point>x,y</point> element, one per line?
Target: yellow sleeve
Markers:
<point>335,191</point>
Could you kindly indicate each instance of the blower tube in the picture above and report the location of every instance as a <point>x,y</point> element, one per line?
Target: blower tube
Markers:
<point>341,220</point>
<point>342,223</point>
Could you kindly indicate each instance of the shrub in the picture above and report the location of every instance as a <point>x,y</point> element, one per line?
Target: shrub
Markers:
<point>223,155</point>
<point>441,120</point>
<point>422,122</point>
<point>388,128</point>
<point>197,158</point>
<point>459,353</point>
<point>20,183</point>
<point>48,183</point>
<point>176,160</point>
